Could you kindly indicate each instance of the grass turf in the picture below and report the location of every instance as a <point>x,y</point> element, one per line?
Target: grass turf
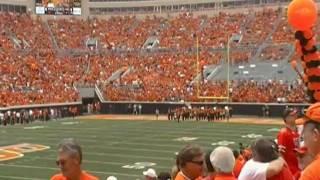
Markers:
<point>109,145</point>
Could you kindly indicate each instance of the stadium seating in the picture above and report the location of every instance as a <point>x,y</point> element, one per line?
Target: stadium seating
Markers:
<point>33,70</point>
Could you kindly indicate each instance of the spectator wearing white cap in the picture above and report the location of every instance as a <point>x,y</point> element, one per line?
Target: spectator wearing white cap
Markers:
<point>223,161</point>
<point>150,174</point>
<point>111,178</point>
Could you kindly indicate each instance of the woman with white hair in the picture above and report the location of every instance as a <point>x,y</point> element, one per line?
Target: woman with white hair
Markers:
<point>222,160</point>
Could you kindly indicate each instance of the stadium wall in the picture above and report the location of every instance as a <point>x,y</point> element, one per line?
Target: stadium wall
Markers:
<point>248,109</point>
<point>156,7</point>
<point>162,8</point>
<point>64,107</point>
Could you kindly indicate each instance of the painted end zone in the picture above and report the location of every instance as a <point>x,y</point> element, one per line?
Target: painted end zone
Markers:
<point>6,155</point>
<point>18,150</point>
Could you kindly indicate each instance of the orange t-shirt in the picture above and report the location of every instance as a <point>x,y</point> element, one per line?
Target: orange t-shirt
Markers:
<point>240,161</point>
<point>312,171</point>
<point>285,174</point>
<point>222,176</point>
<point>289,139</point>
<point>84,176</point>
<point>180,176</point>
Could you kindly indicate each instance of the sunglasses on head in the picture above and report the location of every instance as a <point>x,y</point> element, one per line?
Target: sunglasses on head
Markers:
<point>200,163</point>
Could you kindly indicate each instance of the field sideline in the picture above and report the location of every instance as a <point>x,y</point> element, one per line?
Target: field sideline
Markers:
<point>122,148</point>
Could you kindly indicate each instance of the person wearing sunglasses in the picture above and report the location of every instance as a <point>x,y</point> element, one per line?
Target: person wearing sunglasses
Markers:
<point>190,161</point>
<point>69,161</point>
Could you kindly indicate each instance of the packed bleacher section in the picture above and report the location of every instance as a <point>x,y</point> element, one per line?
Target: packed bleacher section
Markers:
<point>34,72</point>
<point>274,53</point>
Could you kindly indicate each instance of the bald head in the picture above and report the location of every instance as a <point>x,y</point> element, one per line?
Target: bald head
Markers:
<point>311,136</point>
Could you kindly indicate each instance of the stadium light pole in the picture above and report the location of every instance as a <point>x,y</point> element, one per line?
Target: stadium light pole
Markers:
<point>236,38</point>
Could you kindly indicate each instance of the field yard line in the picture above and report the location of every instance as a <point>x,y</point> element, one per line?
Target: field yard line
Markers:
<point>143,130</point>
<point>96,135</point>
<point>128,143</point>
<point>56,169</point>
<point>122,155</point>
<point>16,177</point>
<point>110,147</point>
<point>100,162</point>
<point>201,139</point>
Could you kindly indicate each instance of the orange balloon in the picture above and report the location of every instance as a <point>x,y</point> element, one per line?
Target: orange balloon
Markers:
<point>302,14</point>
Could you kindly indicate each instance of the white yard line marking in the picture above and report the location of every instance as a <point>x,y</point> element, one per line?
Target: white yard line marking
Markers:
<point>17,177</point>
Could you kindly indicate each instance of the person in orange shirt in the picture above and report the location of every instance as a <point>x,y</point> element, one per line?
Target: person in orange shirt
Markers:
<point>311,136</point>
<point>69,161</point>
<point>239,163</point>
<point>222,160</point>
<point>190,161</point>
<point>304,159</point>
<point>288,140</point>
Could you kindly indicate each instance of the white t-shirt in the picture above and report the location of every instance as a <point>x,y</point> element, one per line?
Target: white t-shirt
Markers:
<point>254,170</point>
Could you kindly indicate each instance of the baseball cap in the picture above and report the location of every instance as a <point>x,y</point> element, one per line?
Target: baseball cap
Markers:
<point>150,172</point>
<point>312,114</point>
<point>289,112</point>
<point>111,178</point>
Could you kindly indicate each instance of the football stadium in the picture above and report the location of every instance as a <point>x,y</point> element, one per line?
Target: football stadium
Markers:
<point>159,90</point>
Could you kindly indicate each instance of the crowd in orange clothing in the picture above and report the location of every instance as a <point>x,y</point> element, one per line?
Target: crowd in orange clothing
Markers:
<point>219,28</point>
<point>180,32</point>
<point>31,80</point>
<point>271,91</point>
<point>260,27</point>
<point>28,32</point>
<point>274,53</point>
<point>240,57</point>
<point>32,72</point>
<point>283,33</point>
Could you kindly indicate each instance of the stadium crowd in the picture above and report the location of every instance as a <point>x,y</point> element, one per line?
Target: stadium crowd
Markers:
<point>33,72</point>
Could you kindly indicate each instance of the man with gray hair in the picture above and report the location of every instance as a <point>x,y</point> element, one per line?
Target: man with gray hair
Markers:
<point>222,160</point>
<point>69,161</point>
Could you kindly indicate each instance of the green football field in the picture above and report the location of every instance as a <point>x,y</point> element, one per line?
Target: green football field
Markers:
<point>121,148</point>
